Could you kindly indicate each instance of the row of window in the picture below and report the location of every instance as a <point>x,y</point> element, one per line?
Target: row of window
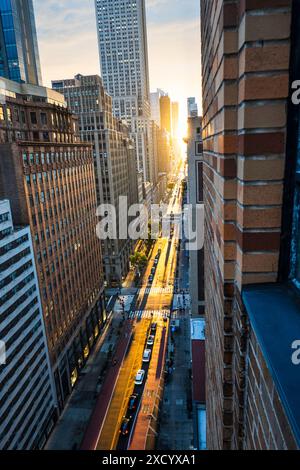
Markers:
<point>13,245</point>
<point>50,158</point>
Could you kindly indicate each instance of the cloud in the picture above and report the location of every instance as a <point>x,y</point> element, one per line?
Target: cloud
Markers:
<point>68,42</point>
<point>67,38</point>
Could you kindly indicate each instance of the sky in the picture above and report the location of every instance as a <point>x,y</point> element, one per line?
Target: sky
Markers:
<point>68,43</point>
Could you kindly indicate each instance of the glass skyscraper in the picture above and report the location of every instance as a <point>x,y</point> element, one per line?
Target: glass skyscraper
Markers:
<point>19,54</point>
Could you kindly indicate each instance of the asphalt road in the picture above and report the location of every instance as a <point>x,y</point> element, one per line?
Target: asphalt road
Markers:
<point>158,299</point>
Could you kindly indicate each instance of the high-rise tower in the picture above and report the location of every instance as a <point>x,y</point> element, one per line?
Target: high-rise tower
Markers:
<point>123,50</point>
<point>19,53</point>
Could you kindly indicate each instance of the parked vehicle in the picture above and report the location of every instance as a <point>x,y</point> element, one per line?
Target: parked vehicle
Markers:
<point>147,355</point>
<point>150,340</point>
<point>139,378</point>
<point>125,426</point>
<point>132,404</point>
<point>153,328</point>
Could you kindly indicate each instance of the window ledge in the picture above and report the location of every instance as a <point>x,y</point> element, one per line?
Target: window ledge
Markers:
<point>274,313</point>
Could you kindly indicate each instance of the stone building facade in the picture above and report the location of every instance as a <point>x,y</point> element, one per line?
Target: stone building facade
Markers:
<point>48,176</point>
<point>114,160</point>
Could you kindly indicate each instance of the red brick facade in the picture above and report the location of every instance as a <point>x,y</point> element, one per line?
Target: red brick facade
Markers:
<point>245,78</point>
<point>50,182</point>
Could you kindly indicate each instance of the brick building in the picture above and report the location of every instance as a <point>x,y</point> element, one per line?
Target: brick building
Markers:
<point>48,176</point>
<point>250,57</point>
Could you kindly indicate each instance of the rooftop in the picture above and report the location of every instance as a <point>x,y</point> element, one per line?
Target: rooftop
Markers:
<point>274,312</point>
<point>198,329</point>
<point>11,89</point>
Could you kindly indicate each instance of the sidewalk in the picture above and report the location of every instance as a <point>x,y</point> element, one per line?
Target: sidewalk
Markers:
<point>72,424</point>
<point>99,414</point>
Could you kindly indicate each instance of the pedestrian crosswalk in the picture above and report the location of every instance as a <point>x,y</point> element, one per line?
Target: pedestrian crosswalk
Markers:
<point>142,314</point>
<point>159,290</point>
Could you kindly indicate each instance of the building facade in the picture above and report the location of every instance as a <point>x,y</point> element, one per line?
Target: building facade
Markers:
<point>192,107</point>
<point>250,137</point>
<point>195,197</point>
<point>48,176</point>
<point>175,119</point>
<point>114,159</point>
<point>166,114</point>
<point>155,105</point>
<point>164,149</point>
<point>19,53</point>
<point>123,50</point>
<point>27,396</point>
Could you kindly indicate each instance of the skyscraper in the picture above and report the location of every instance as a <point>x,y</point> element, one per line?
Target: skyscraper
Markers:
<point>155,105</point>
<point>123,49</point>
<point>166,114</point>
<point>175,119</point>
<point>192,107</point>
<point>19,54</point>
<point>27,397</point>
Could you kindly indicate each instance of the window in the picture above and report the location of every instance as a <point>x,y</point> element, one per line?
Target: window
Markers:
<point>290,248</point>
<point>44,119</point>
<point>33,118</point>
<point>199,148</point>
<point>1,113</point>
<point>199,173</point>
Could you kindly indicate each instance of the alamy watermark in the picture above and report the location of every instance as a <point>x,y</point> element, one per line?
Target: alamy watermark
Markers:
<point>296,93</point>
<point>296,353</point>
<point>140,222</point>
<point>2,353</point>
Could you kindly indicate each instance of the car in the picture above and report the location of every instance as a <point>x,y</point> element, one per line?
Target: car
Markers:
<point>153,270</point>
<point>153,327</point>
<point>151,278</point>
<point>156,261</point>
<point>132,404</point>
<point>125,426</point>
<point>147,355</point>
<point>150,340</point>
<point>165,317</point>
<point>139,378</point>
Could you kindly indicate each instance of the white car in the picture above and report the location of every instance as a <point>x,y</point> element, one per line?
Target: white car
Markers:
<point>150,341</point>
<point>147,355</point>
<point>139,378</point>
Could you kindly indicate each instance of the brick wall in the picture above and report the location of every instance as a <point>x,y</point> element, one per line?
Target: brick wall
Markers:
<point>266,424</point>
<point>260,421</point>
<point>245,67</point>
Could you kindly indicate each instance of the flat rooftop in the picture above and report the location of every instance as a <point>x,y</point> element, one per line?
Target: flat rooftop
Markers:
<point>198,329</point>
<point>274,312</point>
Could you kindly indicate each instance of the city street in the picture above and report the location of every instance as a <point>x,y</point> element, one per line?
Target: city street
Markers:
<point>152,304</point>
